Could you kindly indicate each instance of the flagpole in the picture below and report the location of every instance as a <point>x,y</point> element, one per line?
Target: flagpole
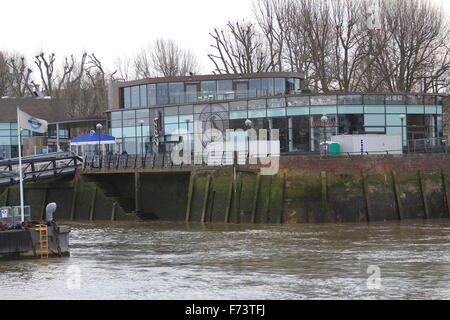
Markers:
<point>19,134</point>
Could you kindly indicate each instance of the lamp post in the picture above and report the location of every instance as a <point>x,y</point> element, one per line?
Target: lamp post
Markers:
<point>141,123</point>
<point>188,142</point>
<point>402,118</point>
<point>99,127</point>
<point>324,121</point>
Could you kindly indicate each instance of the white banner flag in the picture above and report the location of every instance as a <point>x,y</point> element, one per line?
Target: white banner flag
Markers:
<point>28,122</point>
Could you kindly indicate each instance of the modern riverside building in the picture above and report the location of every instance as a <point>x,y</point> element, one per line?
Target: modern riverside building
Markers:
<point>46,108</point>
<point>169,106</point>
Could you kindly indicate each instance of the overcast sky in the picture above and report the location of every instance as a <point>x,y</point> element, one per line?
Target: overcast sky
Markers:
<point>116,27</point>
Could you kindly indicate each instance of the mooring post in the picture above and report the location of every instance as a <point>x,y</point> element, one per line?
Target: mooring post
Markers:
<point>92,207</point>
<point>398,204</point>
<point>365,190</point>
<point>446,195</point>
<point>137,186</point>
<point>255,197</point>
<point>113,211</point>
<point>229,199</point>
<point>205,199</point>
<point>74,198</point>
<point>281,199</point>
<point>44,201</point>
<point>323,177</point>
<point>190,193</point>
<point>424,194</point>
<point>267,202</point>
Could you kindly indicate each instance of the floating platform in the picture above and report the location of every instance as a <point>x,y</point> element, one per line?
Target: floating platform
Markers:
<point>21,244</point>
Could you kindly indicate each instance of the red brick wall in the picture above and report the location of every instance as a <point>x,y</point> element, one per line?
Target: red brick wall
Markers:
<point>313,165</point>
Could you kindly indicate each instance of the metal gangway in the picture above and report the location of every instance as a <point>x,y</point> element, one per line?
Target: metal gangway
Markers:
<point>39,167</point>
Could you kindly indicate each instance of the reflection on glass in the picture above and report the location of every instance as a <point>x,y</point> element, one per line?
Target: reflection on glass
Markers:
<point>176,92</point>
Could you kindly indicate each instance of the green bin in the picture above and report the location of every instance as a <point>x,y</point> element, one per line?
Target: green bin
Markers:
<point>334,149</point>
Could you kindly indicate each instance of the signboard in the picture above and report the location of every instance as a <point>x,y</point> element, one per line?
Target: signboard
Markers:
<point>4,213</point>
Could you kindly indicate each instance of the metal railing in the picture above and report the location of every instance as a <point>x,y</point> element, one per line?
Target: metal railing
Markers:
<point>428,145</point>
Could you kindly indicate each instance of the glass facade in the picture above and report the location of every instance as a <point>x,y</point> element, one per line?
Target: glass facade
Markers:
<point>194,91</point>
<point>297,117</point>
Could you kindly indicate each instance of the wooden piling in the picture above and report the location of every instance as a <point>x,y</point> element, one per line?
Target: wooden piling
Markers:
<point>205,198</point>
<point>92,206</point>
<point>281,200</point>
<point>323,178</point>
<point>424,194</point>
<point>137,187</point>
<point>267,202</point>
<point>190,193</point>
<point>229,199</point>
<point>74,199</point>
<point>398,203</point>
<point>255,197</point>
<point>365,190</point>
<point>113,211</point>
<point>445,191</point>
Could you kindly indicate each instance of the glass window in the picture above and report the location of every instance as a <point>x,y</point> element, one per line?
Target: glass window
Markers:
<point>276,103</point>
<point>5,125</point>
<point>257,104</point>
<point>399,109</point>
<point>323,110</point>
<point>375,130</point>
<point>129,131</point>
<point>374,109</point>
<point>176,92</point>
<point>290,85</point>
<point>238,105</point>
<point>297,111</point>
<point>129,122</point>
<point>162,93</point>
<point>279,86</point>
<point>393,120</point>
<point>261,113</point>
<point>323,100</point>
<point>415,109</point>
<point>374,99</point>
<point>350,99</point>
<point>374,120</point>
<point>255,88</point>
<point>186,118</point>
<point>170,119</point>
<point>151,94</point>
<point>354,109</point>
<point>266,86</point>
<point>129,114</point>
<point>202,108</point>
<point>208,90</point>
<point>429,100</point>
<point>4,133</point>
<point>298,101</point>
<point>281,112</point>
<point>116,115</point>
<point>413,99</point>
<point>116,132</point>
<point>171,111</point>
<point>395,99</point>
<point>225,89</point>
<point>127,97</point>
<point>143,93</point>
<point>135,97</point>
<point>5,141</point>
<point>186,109</point>
<point>439,100</point>
<point>238,114</point>
<point>142,114</point>
<point>430,109</point>
<point>351,123</point>
<point>116,123</point>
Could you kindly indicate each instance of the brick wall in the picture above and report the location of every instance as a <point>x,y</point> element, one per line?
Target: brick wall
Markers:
<point>313,165</point>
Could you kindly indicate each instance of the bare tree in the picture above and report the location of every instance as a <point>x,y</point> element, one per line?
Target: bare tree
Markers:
<point>20,76</point>
<point>239,49</point>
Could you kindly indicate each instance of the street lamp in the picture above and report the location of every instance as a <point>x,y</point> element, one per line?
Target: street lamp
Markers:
<point>324,120</point>
<point>402,118</point>
<point>188,146</point>
<point>99,127</point>
<point>141,123</point>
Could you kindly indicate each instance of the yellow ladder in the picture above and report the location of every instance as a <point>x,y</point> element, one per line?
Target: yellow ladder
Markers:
<point>43,239</point>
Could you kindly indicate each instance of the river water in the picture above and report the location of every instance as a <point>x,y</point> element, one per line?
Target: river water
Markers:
<point>148,260</point>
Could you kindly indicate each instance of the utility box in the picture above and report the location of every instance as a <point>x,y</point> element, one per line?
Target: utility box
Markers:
<point>335,149</point>
<point>6,216</point>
